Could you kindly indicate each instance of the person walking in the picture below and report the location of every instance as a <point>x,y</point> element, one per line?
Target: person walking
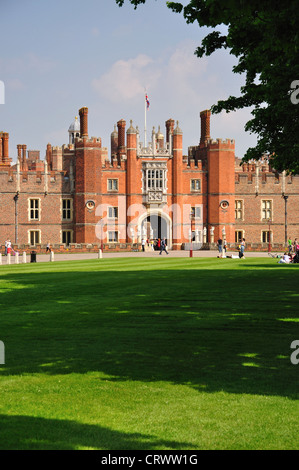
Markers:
<point>143,244</point>
<point>219,244</point>
<point>242,249</point>
<point>48,249</point>
<point>290,245</point>
<point>5,246</point>
<point>163,247</point>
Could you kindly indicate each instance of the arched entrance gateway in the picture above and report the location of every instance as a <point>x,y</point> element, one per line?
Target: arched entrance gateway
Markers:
<point>156,224</point>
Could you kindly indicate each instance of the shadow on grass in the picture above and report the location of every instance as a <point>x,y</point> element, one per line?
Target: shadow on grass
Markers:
<point>214,330</point>
<point>27,432</point>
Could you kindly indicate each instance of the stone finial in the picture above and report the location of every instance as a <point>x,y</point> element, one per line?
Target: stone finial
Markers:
<point>177,130</point>
<point>131,129</point>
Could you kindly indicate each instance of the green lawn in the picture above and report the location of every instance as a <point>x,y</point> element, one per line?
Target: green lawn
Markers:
<point>154,354</point>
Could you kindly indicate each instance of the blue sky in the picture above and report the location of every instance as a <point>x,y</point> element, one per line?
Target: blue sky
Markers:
<point>61,55</point>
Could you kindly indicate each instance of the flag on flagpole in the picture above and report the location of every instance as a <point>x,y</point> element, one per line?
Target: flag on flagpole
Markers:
<point>147,101</point>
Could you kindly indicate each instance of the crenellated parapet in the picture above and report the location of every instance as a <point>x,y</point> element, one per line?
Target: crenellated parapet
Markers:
<point>216,144</point>
<point>192,164</point>
<point>88,142</point>
<point>114,164</point>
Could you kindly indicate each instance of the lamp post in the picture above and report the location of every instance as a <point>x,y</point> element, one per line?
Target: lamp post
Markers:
<point>16,198</point>
<point>269,245</point>
<point>191,248</point>
<point>101,225</point>
<point>285,218</point>
<point>223,242</point>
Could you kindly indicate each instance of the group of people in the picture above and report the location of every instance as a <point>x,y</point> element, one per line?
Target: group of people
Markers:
<point>289,258</point>
<point>156,245</point>
<point>222,250</point>
<point>292,255</point>
<point>293,246</point>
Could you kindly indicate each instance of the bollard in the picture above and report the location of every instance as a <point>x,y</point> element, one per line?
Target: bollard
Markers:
<point>2,353</point>
<point>17,257</point>
<point>8,258</point>
<point>0,258</point>
<point>24,257</point>
<point>100,254</point>
<point>52,256</point>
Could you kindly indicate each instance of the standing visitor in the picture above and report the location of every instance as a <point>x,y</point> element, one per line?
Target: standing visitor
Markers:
<point>219,244</point>
<point>143,244</point>
<point>224,250</point>
<point>242,249</point>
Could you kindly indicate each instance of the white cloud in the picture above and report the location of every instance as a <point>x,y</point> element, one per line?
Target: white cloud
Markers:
<point>185,70</point>
<point>174,73</point>
<point>180,85</point>
<point>127,79</point>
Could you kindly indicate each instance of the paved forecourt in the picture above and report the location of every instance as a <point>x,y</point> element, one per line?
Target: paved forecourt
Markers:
<point>146,254</point>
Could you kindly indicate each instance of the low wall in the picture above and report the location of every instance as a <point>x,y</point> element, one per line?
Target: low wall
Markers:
<point>259,247</point>
<point>76,248</point>
<point>129,247</point>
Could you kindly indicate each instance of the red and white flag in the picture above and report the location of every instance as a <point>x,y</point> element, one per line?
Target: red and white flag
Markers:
<point>147,101</point>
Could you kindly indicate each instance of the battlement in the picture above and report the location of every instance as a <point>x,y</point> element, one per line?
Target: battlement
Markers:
<point>193,164</point>
<point>251,167</point>
<point>221,143</point>
<point>68,147</point>
<point>92,141</point>
<point>114,165</point>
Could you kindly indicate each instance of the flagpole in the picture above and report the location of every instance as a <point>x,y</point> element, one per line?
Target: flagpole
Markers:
<point>145,143</point>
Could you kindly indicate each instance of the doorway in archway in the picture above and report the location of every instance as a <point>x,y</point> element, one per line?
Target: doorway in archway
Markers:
<point>155,226</point>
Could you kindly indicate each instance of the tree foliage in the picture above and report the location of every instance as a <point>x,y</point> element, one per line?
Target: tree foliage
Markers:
<point>264,36</point>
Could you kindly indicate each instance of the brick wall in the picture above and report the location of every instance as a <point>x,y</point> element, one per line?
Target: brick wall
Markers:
<point>80,172</point>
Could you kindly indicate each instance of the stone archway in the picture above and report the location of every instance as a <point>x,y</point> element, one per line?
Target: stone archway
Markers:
<point>156,224</point>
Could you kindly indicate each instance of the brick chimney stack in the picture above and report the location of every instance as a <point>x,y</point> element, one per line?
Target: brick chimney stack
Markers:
<point>169,128</point>
<point>49,156</point>
<point>83,113</point>
<point>5,148</point>
<point>1,149</point>
<point>121,125</point>
<point>205,126</point>
<point>19,147</point>
<point>24,148</point>
<point>114,142</point>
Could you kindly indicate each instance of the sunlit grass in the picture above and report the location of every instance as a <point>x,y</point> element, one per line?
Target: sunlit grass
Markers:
<point>171,353</point>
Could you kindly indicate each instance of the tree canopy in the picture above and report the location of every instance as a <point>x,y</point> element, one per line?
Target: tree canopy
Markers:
<point>264,36</point>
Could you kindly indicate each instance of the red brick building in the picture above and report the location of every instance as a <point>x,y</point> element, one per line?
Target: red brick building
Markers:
<point>80,198</point>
